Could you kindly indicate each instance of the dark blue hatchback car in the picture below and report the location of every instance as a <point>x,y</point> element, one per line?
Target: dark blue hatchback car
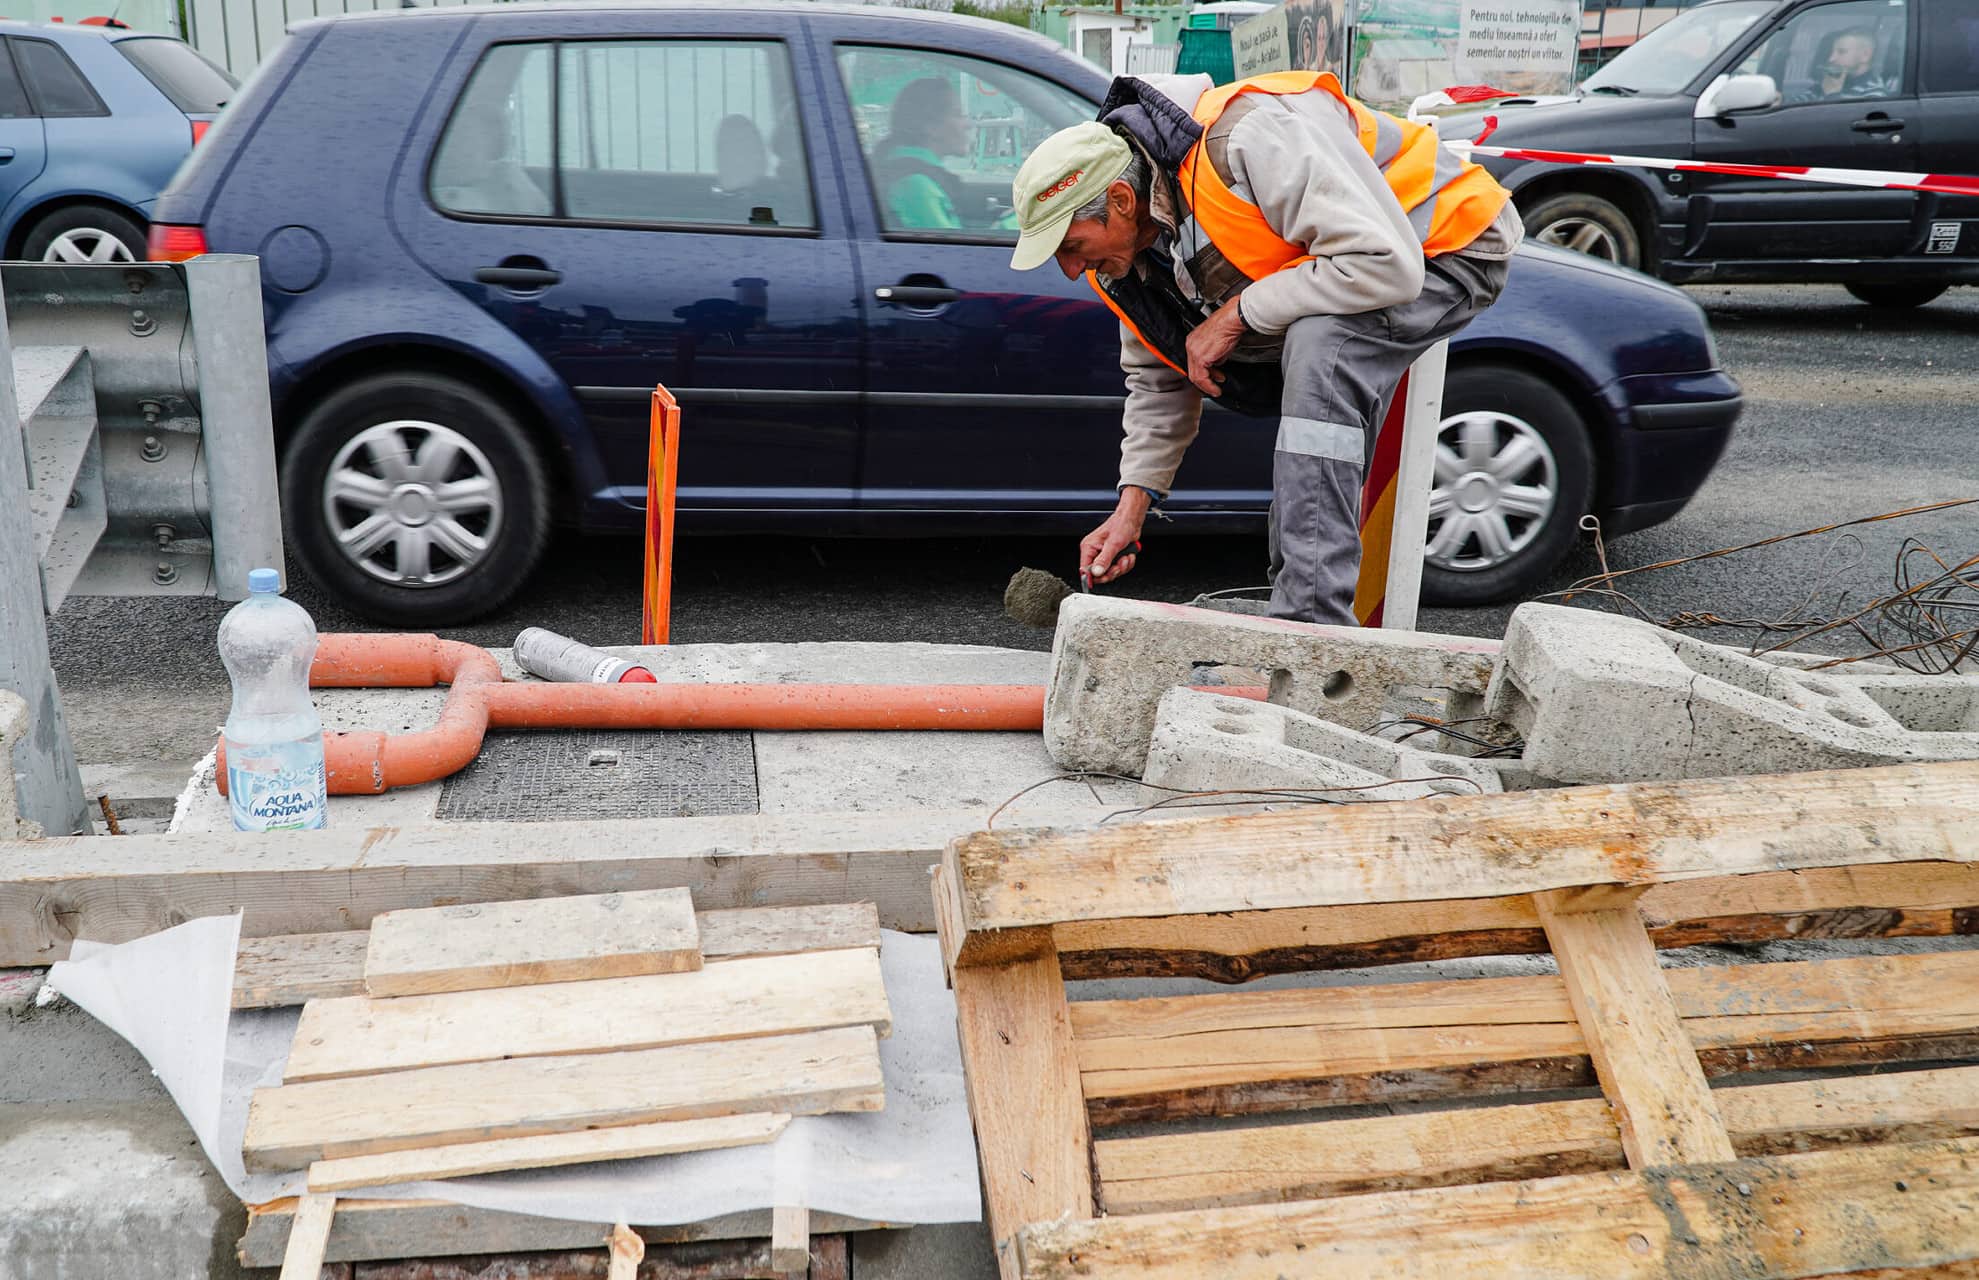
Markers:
<point>487,233</point>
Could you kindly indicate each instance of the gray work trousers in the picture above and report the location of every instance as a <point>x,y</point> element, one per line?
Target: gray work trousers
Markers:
<point>1340,375</point>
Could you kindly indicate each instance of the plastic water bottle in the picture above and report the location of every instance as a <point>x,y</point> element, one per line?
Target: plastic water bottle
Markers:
<point>274,736</point>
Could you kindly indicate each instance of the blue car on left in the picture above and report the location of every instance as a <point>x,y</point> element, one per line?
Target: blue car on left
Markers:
<point>93,122</point>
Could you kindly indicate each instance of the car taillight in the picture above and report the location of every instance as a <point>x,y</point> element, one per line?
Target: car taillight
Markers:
<point>168,243</point>
<point>199,128</point>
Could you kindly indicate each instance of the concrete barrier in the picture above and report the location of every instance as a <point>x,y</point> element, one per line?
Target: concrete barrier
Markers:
<point>1211,742</point>
<point>1602,698</point>
<point>1112,660</point>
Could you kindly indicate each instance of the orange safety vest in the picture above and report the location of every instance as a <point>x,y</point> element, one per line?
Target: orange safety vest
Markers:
<point>1448,201</point>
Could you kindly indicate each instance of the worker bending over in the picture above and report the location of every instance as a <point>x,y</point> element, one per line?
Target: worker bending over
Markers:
<point>1283,249</point>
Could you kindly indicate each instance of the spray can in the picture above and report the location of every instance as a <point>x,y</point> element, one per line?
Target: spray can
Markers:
<point>549,656</point>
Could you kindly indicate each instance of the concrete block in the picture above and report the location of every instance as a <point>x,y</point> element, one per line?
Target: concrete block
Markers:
<point>1112,660</point>
<point>1213,742</point>
<point>117,1192</point>
<point>1603,698</point>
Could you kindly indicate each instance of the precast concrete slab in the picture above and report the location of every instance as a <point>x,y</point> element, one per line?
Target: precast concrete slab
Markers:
<point>1112,660</point>
<point>1603,698</point>
<point>1214,742</point>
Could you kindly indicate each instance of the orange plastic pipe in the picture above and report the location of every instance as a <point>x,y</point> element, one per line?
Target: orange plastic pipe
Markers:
<point>367,763</point>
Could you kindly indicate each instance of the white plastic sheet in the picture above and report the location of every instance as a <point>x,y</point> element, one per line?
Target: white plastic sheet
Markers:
<point>170,994</point>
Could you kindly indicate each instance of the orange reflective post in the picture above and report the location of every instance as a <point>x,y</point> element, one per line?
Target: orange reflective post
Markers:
<point>662,473</point>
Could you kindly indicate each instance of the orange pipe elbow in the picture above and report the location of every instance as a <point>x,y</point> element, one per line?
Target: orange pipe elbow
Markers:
<point>368,763</point>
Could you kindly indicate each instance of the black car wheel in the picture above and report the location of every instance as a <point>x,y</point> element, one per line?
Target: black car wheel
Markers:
<point>85,233</point>
<point>1897,295</point>
<point>418,500</point>
<point>1586,224</point>
<point>1514,475</point>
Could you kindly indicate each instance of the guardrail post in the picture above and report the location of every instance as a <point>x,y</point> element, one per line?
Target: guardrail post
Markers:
<point>238,448</point>
<point>42,764</point>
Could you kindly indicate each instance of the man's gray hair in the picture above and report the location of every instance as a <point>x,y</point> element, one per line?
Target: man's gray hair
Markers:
<point>1135,175</point>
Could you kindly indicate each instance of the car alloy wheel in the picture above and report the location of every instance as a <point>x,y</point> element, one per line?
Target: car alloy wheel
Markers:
<point>87,244</point>
<point>414,504</point>
<point>1582,235</point>
<point>1495,484</point>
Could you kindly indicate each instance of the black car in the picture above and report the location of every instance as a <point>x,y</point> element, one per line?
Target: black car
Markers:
<point>1855,84</point>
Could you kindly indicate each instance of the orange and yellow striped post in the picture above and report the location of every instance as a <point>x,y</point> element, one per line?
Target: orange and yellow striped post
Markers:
<point>662,476</point>
<point>1395,497</point>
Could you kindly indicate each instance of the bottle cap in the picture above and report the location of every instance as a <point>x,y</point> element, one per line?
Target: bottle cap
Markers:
<point>263,580</point>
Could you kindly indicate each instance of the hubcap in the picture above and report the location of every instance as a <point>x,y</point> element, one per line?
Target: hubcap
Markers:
<point>1582,235</point>
<point>415,504</point>
<point>87,244</point>
<point>1496,483</point>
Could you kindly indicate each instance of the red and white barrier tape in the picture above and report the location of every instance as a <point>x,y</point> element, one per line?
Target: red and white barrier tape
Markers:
<point>1948,184</point>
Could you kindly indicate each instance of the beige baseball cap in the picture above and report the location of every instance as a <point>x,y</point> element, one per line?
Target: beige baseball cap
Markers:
<point>1070,168</point>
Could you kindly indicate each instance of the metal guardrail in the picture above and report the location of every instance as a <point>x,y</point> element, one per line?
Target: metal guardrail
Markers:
<point>137,457</point>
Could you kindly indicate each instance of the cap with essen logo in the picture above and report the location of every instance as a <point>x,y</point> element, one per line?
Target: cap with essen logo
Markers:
<point>1070,168</point>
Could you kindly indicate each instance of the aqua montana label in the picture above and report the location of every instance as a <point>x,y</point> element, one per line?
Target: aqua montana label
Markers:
<point>285,792</point>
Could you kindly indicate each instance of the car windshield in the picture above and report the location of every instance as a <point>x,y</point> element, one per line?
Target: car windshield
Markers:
<point>1667,59</point>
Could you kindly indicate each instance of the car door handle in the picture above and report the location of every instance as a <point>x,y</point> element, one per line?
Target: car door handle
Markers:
<point>519,277</point>
<point>6,154</point>
<point>916,295</point>
<point>1877,124</point>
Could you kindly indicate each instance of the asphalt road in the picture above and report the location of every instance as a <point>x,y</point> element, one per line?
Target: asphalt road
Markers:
<point>1850,412</point>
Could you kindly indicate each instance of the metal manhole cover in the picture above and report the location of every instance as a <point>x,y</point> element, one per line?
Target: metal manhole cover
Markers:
<point>570,774</point>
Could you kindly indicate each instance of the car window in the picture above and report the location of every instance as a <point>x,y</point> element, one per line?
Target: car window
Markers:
<point>53,83</point>
<point>943,135</point>
<point>194,85</point>
<point>13,98</point>
<point>693,132</point>
<point>1950,52</point>
<point>1669,58</point>
<point>494,157</point>
<point>1836,52</point>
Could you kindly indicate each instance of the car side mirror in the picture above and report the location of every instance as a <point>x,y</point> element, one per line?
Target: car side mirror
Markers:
<point>1730,94</point>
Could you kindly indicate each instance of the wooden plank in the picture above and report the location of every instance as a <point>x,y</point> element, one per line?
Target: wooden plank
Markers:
<point>339,878</point>
<point>790,1240</point>
<point>1447,847</point>
<point>1277,1163</point>
<point>370,1230</point>
<point>293,1125</point>
<point>477,945</point>
<point>1023,1085</point>
<point>296,968</point>
<point>1903,901</point>
<point>781,931</point>
<point>545,1151</point>
<point>1240,1052</point>
<point>1771,1218</point>
<point>772,995</point>
<point>303,1260</point>
<point>1438,1148</point>
<point>1647,1065</point>
<point>626,1251</point>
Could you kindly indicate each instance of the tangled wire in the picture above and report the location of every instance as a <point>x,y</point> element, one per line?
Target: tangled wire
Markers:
<point>1928,623</point>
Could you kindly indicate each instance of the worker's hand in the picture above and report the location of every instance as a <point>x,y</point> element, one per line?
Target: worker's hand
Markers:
<point>1101,557</point>
<point>1210,344</point>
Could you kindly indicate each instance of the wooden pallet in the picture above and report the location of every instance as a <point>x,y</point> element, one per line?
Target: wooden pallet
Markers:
<point>1657,1173</point>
